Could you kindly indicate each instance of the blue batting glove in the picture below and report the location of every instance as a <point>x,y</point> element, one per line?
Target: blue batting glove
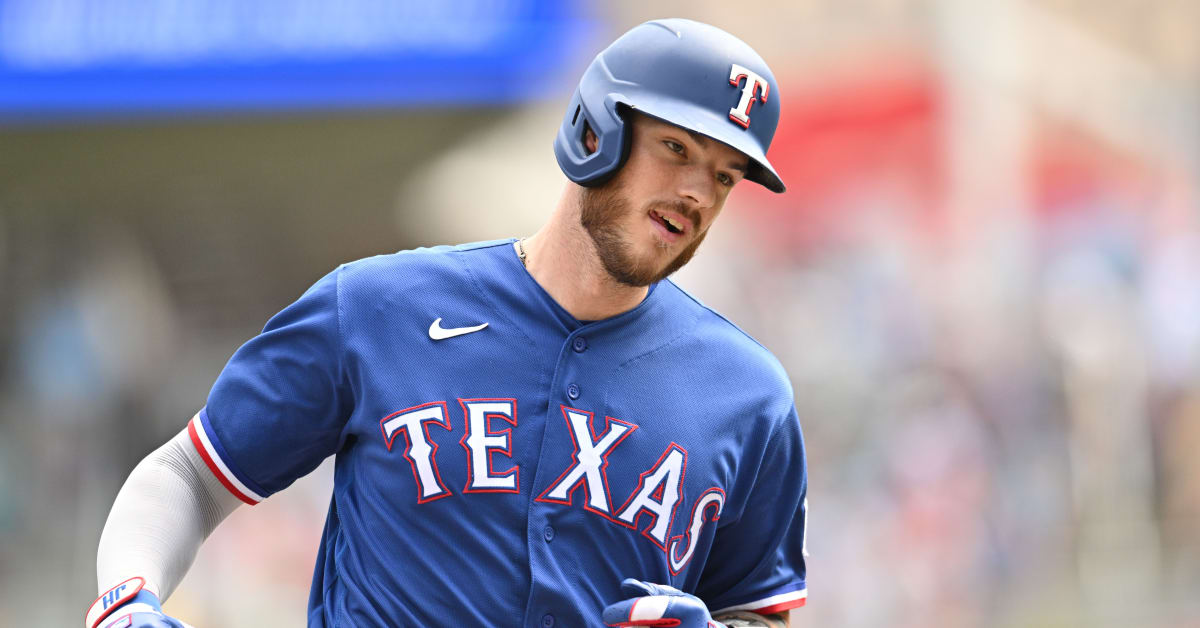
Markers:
<point>658,605</point>
<point>129,605</point>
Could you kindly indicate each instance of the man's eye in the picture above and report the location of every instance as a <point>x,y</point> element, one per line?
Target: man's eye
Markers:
<point>674,146</point>
<point>725,179</point>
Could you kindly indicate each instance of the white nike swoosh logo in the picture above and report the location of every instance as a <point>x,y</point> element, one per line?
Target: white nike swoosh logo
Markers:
<point>438,333</point>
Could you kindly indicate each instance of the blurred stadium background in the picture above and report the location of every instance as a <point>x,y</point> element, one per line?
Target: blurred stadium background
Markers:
<point>984,280</point>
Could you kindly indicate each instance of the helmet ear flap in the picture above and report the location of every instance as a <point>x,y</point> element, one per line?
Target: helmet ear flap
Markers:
<point>613,135</point>
<point>624,144</point>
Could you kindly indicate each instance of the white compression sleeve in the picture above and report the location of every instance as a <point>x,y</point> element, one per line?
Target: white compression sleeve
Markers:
<point>168,506</point>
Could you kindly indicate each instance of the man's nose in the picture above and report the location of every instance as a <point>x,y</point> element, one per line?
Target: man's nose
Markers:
<point>698,187</point>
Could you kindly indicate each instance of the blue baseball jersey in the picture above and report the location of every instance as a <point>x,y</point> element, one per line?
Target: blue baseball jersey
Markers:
<point>500,463</point>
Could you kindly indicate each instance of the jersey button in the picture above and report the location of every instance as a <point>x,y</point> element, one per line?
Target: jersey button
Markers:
<point>548,533</point>
<point>547,620</point>
<point>573,391</point>
<point>579,344</point>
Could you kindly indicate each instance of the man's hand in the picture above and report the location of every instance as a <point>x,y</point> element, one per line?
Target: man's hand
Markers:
<point>657,605</point>
<point>129,605</point>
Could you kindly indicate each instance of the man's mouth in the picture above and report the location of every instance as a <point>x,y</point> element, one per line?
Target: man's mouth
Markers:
<point>670,224</point>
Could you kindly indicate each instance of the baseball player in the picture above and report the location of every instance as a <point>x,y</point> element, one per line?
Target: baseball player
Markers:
<point>542,431</point>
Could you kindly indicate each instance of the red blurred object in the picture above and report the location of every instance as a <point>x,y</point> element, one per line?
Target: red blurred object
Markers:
<point>867,140</point>
<point>1072,170</point>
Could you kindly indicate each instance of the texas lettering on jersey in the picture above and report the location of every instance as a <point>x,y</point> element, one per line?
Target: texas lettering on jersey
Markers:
<point>658,493</point>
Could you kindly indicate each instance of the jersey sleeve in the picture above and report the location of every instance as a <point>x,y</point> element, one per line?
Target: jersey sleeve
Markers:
<point>757,562</point>
<point>279,406</point>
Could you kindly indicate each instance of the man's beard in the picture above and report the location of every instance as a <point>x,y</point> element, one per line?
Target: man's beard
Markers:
<point>601,212</point>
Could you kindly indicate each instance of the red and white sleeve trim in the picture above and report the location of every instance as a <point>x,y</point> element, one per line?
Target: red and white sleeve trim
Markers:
<point>771,605</point>
<point>204,446</point>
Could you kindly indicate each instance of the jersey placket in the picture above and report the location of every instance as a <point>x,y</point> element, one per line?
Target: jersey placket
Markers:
<point>565,390</point>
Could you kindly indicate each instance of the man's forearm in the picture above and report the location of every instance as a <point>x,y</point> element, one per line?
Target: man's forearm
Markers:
<point>169,504</point>
<point>745,619</point>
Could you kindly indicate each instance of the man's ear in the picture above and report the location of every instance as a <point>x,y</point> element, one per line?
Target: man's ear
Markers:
<point>589,139</point>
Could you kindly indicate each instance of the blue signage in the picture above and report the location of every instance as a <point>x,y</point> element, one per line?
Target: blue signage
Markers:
<point>85,58</point>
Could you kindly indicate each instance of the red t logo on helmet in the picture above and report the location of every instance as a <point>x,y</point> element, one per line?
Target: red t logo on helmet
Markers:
<point>754,82</point>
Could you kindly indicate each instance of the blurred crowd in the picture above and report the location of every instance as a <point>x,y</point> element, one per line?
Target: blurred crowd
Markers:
<point>984,282</point>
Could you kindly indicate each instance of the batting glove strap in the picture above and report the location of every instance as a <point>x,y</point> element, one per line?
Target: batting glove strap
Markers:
<point>658,605</point>
<point>113,599</point>
<point>128,605</point>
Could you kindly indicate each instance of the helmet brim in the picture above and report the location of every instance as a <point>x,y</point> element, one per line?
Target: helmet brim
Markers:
<point>708,124</point>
